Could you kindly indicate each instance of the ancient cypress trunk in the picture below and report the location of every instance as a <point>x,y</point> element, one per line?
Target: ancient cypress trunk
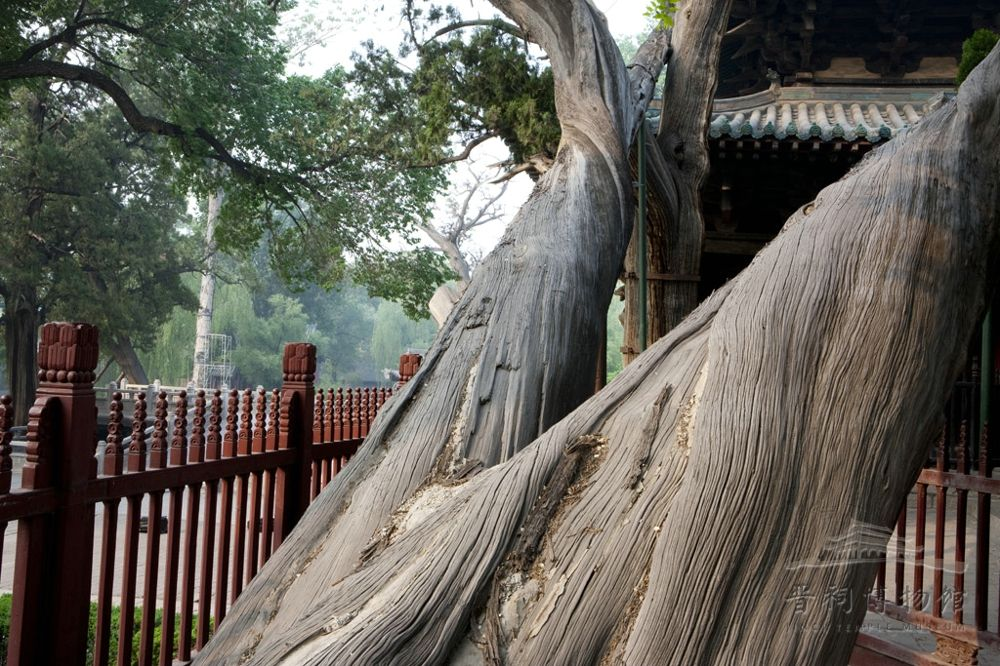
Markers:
<point>674,516</point>
<point>677,165</point>
<point>516,355</point>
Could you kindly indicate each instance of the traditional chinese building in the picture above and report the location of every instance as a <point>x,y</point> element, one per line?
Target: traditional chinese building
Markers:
<point>806,88</point>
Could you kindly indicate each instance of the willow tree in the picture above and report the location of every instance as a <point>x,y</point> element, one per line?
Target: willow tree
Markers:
<point>672,517</point>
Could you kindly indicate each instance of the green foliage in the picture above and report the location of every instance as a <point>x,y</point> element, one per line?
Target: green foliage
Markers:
<point>5,604</point>
<point>661,12</point>
<point>90,222</point>
<point>974,49</point>
<point>468,83</point>
<point>408,278</point>
<point>616,338</point>
<point>262,315</point>
<point>309,171</point>
<point>394,332</point>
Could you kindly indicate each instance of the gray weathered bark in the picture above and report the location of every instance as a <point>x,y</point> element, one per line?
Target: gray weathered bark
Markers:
<point>677,165</point>
<point>671,518</point>
<point>516,355</point>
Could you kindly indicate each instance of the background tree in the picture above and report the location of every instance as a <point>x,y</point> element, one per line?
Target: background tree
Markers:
<point>472,205</point>
<point>294,153</point>
<point>91,229</point>
<point>974,49</point>
<point>474,80</point>
<point>393,333</point>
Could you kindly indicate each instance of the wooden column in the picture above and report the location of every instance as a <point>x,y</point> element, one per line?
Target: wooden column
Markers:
<point>52,574</point>
<point>296,432</point>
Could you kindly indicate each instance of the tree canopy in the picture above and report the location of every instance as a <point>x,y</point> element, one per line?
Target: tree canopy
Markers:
<point>309,169</point>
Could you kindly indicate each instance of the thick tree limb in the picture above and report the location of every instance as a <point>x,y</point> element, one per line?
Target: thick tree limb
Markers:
<point>677,165</point>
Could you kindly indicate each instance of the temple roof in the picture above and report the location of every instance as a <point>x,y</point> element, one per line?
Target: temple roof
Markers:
<point>825,113</point>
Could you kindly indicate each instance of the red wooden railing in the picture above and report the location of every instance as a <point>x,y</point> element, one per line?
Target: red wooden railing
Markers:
<point>230,487</point>
<point>936,598</point>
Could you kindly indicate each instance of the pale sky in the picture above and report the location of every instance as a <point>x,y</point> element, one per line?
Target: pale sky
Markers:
<point>341,26</point>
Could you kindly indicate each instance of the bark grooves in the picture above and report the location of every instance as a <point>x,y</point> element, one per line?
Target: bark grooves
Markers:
<point>678,165</point>
<point>517,353</point>
<point>789,411</point>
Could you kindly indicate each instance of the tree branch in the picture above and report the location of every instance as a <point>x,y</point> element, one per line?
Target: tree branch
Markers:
<point>68,35</point>
<point>130,111</point>
<point>505,26</point>
<point>461,156</point>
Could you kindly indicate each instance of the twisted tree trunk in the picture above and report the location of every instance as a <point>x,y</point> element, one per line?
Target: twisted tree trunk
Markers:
<point>672,517</point>
<point>516,355</point>
<point>677,164</point>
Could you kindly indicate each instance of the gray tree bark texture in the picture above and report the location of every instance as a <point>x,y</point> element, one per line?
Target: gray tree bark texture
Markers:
<point>517,354</point>
<point>673,517</point>
<point>677,164</point>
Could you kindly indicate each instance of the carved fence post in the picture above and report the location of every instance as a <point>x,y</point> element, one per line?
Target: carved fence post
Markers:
<point>408,366</point>
<point>295,432</point>
<point>52,574</point>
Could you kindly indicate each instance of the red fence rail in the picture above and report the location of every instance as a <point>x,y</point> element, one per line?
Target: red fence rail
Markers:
<point>936,598</point>
<point>169,527</point>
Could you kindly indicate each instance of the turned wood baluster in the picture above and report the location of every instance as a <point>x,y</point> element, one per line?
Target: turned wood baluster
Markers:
<point>178,457</point>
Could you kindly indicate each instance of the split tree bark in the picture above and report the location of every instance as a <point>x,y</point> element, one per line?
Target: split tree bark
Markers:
<point>672,517</point>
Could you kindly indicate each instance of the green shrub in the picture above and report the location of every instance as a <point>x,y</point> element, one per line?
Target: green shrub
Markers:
<point>5,601</point>
<point>974,49</point>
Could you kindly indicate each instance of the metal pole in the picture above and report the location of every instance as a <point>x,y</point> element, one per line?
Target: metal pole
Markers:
<point>641,244</point>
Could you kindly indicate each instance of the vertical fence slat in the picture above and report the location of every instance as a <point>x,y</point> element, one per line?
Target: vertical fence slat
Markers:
<point>256,489</point>
<point>900,556</point>
<point>6,465</point>
<point>136,462</point>
<point>961,507</point>
<point>267,527</point>
<point>983,535</point>
<point>178,457</point>
<point>213,449</point>
<point>318,409</point>
<point>918,548</point>
<point>157,460</point>
<point>225,512</point>
<point>940,502</point>
<point>196,454</point>
<point>114,460</point>
<point>329,416</point>
<point>240,501</point>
